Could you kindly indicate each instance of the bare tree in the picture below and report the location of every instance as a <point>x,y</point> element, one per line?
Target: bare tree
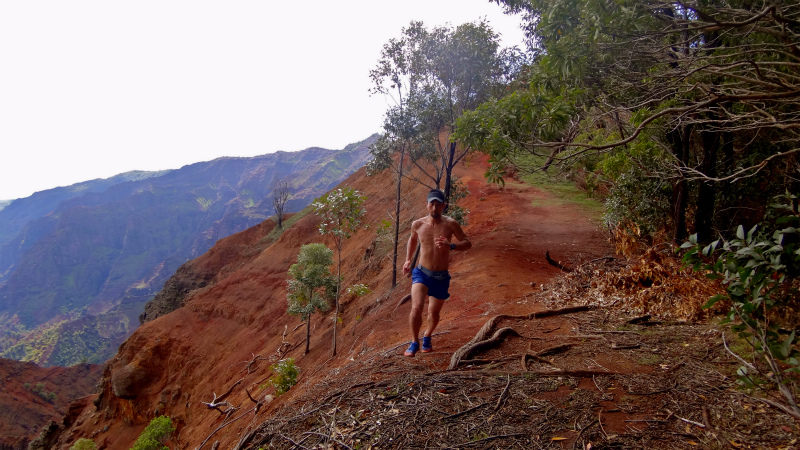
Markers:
<point>280,194</point>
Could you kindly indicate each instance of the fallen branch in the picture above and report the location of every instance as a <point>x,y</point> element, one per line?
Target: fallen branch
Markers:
<point>555,263</point>
<point>575,444</point>
<point>503,394</point>
<point>692,422</point>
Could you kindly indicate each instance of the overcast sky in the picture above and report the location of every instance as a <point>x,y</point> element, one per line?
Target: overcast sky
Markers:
<point>89,89</point>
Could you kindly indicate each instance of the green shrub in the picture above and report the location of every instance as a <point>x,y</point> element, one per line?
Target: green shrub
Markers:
<point>759,270</point>
<point>154,435</point>
<point>285,375</point>
<point>83,444</point>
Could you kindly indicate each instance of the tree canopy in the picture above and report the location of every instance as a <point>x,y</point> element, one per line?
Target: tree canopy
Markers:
<point>434,76</point>
<point>682,97</point>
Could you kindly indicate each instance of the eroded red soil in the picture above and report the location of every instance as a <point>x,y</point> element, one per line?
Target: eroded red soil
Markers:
<point>173,364</point>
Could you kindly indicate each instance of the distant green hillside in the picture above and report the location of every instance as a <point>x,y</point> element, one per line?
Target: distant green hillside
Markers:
<point>74,279</point>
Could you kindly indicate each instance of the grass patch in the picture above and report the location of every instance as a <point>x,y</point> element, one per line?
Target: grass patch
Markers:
<point>562,190</point>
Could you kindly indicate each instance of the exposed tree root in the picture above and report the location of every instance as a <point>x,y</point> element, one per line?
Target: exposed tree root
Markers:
<point>481,341</point>
<point>467,350</point>
<point>553,350</point>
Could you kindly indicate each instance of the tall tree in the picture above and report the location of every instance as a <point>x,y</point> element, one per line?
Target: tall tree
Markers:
<point>703,94</point>
<point>434,76</point>
<point>311,284</point>
<point>341,211</point>
<point>280,195</point>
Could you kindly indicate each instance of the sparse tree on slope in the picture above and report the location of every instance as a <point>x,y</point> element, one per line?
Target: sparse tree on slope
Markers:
<point>311,284</point>
<point>342,212</point>
<point>280,194</point>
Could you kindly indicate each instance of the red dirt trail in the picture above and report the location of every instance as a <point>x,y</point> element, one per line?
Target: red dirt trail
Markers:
<point>172,364</point>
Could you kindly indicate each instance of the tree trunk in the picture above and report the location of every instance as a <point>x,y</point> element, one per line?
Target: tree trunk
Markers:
<point>397,217</point>
<point>338,283</point>
<point>448,174</point>
<point>308,333</point>
<point>706,199</point>
<point>680,194</point>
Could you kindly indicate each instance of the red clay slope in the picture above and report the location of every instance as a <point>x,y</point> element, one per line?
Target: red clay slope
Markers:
<point>23,412</point>
<point>172,364</point>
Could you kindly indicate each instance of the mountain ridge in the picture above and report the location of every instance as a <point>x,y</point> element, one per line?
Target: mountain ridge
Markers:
<point>109,252</point>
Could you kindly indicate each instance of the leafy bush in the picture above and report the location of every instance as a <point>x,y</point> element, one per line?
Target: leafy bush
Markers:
<point>154,435</point>
<point>285,375</point>
<point>458,191</point>
<point>640,199</point>
<point>83,444</point>
<point>759,271</point>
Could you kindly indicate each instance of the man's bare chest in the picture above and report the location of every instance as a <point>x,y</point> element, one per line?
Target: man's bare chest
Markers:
<point>432,231</point>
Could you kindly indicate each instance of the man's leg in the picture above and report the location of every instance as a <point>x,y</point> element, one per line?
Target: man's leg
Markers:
<point>434,307</point>
<point>418,293</point>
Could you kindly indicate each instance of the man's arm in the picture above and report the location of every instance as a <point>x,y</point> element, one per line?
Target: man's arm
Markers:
<point>411,248</point>
<point>463,241</point>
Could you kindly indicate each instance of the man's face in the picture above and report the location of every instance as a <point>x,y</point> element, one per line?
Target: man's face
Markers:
<point>435,208</point>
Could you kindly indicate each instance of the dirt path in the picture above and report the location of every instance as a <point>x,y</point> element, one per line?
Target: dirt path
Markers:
<point>587,379</point>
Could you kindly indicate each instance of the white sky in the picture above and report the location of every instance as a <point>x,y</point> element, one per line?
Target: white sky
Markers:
<point>89,89</point>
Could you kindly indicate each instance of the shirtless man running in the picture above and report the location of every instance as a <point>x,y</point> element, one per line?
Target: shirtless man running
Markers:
<point>430,278</point>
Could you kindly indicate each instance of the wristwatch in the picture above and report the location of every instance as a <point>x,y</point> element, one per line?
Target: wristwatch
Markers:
<point>452,246</point>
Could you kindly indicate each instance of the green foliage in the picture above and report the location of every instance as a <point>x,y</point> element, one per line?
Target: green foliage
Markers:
<point>84,444</point>
<point>434,76</point>
<point>758,270</point>
<point>311,282</point>
<point>341,212</point>
<point>358,290</point>
<point>458,191</point>
<point>640,198</point>
<point>285,374</point>
<point>40,389</point>
<point>154,435</point>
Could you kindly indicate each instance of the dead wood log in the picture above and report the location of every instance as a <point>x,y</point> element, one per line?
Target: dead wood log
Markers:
<point>218,402</point>
<point>555,263</point>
